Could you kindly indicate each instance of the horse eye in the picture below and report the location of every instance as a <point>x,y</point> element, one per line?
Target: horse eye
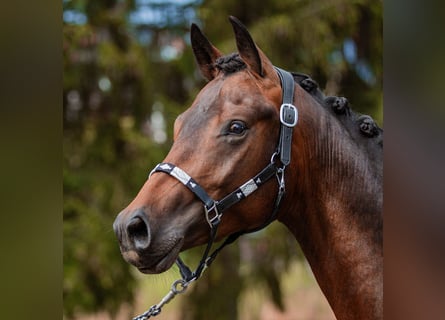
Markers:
<point>237,127</point>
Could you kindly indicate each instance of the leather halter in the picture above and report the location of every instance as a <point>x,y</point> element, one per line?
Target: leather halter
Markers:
<point>214,209</point>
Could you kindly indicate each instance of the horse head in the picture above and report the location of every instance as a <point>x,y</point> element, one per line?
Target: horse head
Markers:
<point>226,137</point>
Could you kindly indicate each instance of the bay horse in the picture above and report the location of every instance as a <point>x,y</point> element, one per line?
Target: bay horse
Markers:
<point>250,124</point>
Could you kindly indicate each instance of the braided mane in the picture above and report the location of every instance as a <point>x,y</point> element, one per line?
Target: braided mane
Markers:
<point>230,63</point>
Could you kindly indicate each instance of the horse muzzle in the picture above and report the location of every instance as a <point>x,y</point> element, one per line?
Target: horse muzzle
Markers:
<point>138,246</point>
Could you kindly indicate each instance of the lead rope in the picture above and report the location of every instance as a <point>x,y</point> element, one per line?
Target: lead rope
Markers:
<point>181,285</point>
<point>178,287</point>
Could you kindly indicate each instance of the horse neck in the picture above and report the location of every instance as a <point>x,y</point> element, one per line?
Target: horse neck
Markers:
<point>334,211</point>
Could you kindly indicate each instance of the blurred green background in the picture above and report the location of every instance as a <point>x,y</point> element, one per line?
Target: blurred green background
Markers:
<point>128,71</point>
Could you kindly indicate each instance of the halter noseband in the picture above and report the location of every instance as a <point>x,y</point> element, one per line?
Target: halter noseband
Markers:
<point>214,209</point>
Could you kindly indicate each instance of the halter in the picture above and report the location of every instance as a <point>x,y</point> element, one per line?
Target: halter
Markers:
<point>214,210</point>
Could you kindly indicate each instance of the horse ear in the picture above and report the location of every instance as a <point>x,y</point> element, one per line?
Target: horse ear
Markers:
<point>249,52</point>
<point>205,52</point>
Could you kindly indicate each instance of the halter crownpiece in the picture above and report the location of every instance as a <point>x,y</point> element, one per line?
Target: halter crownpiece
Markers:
<point>288,115</point>
<point>214,209</point>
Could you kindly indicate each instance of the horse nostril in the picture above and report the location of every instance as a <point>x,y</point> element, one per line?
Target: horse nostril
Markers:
<point>138,232</point>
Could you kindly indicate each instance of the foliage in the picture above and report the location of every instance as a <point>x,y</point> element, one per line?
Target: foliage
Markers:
<point>125,81</point>
<point>107,99</point>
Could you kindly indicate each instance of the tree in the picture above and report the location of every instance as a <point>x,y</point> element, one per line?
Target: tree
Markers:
<point>109,95</point>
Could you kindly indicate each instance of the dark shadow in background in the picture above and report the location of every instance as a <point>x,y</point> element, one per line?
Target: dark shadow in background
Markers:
<point>414,153</point>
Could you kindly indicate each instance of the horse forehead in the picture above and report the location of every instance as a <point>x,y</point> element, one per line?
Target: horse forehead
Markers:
<point>208,96</point>
<point>202,109</point>
<point>226,92</point>
<point>241,90</point>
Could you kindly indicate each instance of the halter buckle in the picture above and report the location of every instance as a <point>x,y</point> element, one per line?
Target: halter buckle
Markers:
<point>216,219</point>
<point>288,115</point>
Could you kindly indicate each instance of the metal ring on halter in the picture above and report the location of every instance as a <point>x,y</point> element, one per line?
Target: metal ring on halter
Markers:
<point>274,156</point>
<point>179,286</point>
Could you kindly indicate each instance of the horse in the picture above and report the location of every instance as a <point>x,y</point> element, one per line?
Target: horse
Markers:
<point>252,123</point>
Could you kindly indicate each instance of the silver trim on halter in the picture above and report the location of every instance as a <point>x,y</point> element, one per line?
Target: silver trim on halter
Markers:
<point>181,175</point>
<point>249,187</point>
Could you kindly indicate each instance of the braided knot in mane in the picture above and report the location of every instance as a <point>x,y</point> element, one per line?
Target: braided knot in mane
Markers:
<point>230,64</point>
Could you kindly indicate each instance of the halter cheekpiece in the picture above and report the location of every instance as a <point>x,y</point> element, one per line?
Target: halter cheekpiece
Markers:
<point>214,209</point>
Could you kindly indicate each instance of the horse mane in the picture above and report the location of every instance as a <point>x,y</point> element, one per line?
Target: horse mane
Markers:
<point>230,63</point>
<point>359,126</point>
